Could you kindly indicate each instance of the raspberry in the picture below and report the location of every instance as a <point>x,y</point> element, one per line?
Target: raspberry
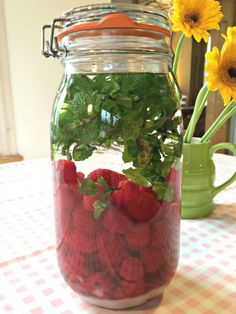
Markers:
<point>112,178</point>
<point>139,236</point>
<point>151,260</point>
<point>82,244</point>
<point>138,202</point>
<point>98,285</point>
<point>159,234</point>
<point>85,224</point>
<point>115,221</point>
<point>111,251</point>
<point>132,270</point>
<point>130,290</point>
<point>175,178</point>
<point>66,171</point>
<point>64,203</point>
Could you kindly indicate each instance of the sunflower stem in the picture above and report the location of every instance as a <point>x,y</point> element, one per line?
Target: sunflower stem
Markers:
<point>198,108</point>
<point>177,53</point>
<point>219,122</point>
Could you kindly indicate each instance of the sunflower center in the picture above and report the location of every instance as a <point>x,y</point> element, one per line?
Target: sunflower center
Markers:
<point>232,72</point>
<point>228,74</point>
<point>192,19</point>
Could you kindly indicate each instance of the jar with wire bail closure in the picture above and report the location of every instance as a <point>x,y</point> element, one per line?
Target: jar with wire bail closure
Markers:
<point>116,145</point>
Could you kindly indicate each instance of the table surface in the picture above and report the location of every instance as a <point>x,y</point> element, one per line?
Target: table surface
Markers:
<point>30,281</point>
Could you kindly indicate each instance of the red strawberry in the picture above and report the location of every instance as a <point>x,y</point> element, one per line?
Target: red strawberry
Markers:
<point>115,221</point>
<point>139,236</point>
<point>112,178</point>
<point>132,270</point>
<point>66,171</point>
<point>151,259</point>
<point>80,176</point>
<point>98,285</point>
<point>139,202</point>
<point>175,177</point>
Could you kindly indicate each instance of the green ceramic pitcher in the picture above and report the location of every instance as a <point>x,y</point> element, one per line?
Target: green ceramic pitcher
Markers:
<point>198,189</point>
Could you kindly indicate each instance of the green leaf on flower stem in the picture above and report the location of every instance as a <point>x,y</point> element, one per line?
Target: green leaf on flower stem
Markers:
<point>99,207</point>
<point>88,187</point>
<point>82,152</point>
<point>135,176</point>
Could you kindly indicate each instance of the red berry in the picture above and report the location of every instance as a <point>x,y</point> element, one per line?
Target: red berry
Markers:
<point>112,178</point>
<point>129,290</point>
<point>80,176</point>
<point>84,223</point>
<point>151,259</point>
<point>66,171</point>
<point>81,244</point>
<point>159,234</point>
<point>139,236</point>
<point>175,178</point>
<point>111,250</point>
<point>98,285</point>
<point>132,270</point>
<point>115,221</point>
<point>138,202</point>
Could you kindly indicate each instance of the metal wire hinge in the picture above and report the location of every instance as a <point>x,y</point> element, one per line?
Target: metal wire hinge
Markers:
<point>51,47</point>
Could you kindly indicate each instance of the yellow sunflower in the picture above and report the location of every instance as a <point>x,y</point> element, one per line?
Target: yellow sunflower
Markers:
<point>196,17</point>
<point>221,67</point>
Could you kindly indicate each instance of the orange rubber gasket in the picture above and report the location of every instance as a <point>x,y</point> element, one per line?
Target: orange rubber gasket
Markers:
<point>112,21</point>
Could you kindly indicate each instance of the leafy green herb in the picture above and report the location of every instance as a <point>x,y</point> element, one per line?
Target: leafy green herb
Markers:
<point>99,207</point>
<point>88,187</point>
<point>136,111</point>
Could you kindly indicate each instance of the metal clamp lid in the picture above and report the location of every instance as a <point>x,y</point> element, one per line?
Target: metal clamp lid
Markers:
<point>111,21</point>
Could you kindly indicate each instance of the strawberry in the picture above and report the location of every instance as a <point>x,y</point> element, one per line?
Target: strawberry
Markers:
<point>66,171</point>
<point>80,176</point>
<point>138,202</point>
<point>132,270</point>
<point>151,259</point>
<point>112,178</point>
<point>175,177</point>
<point>116,222</point>
<point>139,236</point>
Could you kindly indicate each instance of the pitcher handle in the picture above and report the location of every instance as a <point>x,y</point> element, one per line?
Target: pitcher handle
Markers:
<point>232,148</point>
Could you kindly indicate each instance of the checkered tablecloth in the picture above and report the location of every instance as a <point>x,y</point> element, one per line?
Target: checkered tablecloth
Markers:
<point>30,282</point>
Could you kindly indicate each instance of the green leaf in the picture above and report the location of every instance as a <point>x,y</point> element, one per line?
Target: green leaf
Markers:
<point>88,187</point>
<point>99,207</point>
<point>135,176</point>
<point>82,152</point>
<point>164,191</point>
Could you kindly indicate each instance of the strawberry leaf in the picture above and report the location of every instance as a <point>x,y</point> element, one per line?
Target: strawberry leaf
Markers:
<point>99,207</point>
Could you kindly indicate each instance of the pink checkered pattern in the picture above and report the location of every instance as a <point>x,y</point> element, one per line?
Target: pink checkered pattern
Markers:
<point>30,282</point>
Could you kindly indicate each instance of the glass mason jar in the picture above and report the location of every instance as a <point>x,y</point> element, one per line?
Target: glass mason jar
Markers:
<point>116,143</point>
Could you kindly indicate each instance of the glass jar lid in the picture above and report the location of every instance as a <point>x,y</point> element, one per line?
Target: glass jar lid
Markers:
<point>103,20</point>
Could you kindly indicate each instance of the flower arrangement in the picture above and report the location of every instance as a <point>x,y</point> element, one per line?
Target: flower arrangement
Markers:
<point>195,18</point>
